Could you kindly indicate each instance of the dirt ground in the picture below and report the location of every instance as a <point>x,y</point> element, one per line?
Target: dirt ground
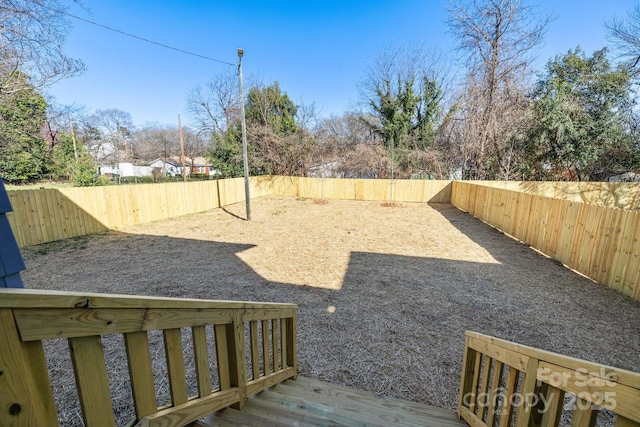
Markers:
<point>384,294</point>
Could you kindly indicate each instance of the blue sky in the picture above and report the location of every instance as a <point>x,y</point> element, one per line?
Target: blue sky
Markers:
<point>318,50</point>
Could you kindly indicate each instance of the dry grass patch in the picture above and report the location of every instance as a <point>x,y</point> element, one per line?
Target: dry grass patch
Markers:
<point>384,295</point>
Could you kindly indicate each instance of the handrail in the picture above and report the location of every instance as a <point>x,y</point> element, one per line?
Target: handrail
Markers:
<point>27,317</point>
<point>506,384</point>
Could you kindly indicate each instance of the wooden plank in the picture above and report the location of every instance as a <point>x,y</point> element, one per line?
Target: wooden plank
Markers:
<point>91,381</point>
<point>555,400</point>
<point>592,388</point>
<point>141,373</point>
<point>472,419</point>
<point>467,373</point>
<point>41,391</point>
<point>349,406</point>
<point>292,356</point>
<point>175,365</point>
<point>38,298</point>
<point>473,395</point>
<point>619,263</point>
<point>612,251</point>
<point>268,314</point>
<point>255,351</point>
<point>237,358</point>
<point>493,392</point>
<point>507,356</point>
<point>262,383</point>
<point>621,376</point>
<point>283,343</point>
<point>265,347</point>
<point>625,422</point>
<point>484,386</point>
<point>188,412</point>
<point>222,352</point>
<point>523,417</point>
<point>631,281</point>
<point>507,408</point>
<point>201,356</point>
<point>584,416</point>
<point>24,403</point>
<point>38,324</point>
<point>274,343</point>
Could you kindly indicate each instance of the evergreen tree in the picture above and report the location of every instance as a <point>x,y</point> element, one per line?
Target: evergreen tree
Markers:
<point>581,118</point>
<point>23,151</point>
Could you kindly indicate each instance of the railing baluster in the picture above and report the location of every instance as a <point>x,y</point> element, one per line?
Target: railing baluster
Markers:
<point>223,356</point>
<point>175,365</point>
<point>141,373</point>
<point>91,380</point>
<point>292,354</point>
<point>255,359</point>
<point>555,400</point>
<point>201,355</point>
<point>476,377</point>
<point>283,342</point>
<point>484,387</point>
<point>495,383</point>
<point>528,393</point>
<point>466,386</point>
<point>274,344</point>
<point>265,347</point>
<point>507,409</point>
<point>584,415</point>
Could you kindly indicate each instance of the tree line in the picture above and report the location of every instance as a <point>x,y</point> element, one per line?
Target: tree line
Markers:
<point>576,119</point>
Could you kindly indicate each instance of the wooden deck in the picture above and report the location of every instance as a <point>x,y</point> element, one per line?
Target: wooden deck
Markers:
<point>308,402</point>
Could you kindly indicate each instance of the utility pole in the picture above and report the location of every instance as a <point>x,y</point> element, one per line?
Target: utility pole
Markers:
<point>75,147</point>
<point>184,169</point>
<point>244,138</point>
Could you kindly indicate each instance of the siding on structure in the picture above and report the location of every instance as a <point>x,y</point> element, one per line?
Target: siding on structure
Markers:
<point>11,262</point>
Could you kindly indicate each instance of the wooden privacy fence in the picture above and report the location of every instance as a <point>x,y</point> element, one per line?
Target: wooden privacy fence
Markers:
<point>506,384</point>
<point>47,215</point>
<point>623,195</point>
<point>599,242</point>
<point>28,317</point>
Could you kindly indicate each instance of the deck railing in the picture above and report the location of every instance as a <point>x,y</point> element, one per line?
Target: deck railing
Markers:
<point>28,317</point>
<point>506,384</point>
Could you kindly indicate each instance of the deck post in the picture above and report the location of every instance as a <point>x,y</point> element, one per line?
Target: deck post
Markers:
<point>466,381</point>
<point>237,358</point>
<point>24,399</point>
<point>292,359</point>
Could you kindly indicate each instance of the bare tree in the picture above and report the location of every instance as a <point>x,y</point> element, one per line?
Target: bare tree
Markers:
<point>498,39</point>
<point>625,34</point>
<point>157,142</point>
<point>194,145</point>
<point>215,106</point>
<point>112,136</point>
<point>32,34</point>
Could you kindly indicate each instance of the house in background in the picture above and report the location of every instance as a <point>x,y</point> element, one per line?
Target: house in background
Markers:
<point>124,169</point>
<point>167,167</point>
<point>193,165</point>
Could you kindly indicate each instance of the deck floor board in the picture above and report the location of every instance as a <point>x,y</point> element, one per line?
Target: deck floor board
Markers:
<point>309,402</point>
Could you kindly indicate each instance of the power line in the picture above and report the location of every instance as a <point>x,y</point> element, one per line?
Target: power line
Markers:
<point>137,37</point>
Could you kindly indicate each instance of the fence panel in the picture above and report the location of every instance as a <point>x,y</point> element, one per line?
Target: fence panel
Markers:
<point>600,242</point>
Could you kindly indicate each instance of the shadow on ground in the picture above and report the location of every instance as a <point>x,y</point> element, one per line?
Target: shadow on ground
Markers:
<point>388,329</point>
